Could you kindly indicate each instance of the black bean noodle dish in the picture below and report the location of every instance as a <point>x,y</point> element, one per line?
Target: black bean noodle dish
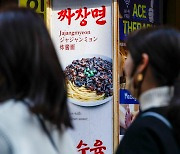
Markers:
<point>89,79</point>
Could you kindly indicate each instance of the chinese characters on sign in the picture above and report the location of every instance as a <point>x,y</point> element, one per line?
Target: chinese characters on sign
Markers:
<point>69,39</point>
<point>67,47</point>
<point>82,14</point>
<point>97,149</point>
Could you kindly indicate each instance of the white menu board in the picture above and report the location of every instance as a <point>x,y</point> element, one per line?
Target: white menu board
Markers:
<point>82,34</point>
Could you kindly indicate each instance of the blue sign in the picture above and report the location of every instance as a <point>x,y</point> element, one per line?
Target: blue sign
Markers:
<point>137,14</point>
<point>127,98</point>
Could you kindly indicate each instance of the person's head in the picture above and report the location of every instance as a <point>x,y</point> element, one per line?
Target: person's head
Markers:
<point>29,66</point>
<point>154,58</point>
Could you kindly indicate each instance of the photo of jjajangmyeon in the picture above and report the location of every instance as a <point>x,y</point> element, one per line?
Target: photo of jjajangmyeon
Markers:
<point>89,79</point>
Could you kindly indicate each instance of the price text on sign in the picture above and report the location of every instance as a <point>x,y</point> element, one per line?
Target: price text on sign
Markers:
<point>37,5</point>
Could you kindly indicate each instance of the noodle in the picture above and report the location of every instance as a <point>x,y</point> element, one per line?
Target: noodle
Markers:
<point>89,79</point>
<point>82,94</point>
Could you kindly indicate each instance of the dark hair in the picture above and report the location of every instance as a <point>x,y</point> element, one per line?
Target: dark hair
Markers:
<point>162,44</point>
<point>29,67</point>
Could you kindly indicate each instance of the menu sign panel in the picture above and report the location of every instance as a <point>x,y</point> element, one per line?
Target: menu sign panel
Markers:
<point>82,34</point>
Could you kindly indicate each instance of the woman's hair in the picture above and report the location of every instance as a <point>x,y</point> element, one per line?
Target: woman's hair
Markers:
<point>29,67</point>
<point>163,48</point>
<point>162,44</point>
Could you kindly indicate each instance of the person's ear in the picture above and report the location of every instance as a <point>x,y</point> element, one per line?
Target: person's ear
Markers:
<point>143,64</point>
<point>139,74</point>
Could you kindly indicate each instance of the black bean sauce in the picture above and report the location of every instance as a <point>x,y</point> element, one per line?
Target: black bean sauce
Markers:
<point>94,73</point>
